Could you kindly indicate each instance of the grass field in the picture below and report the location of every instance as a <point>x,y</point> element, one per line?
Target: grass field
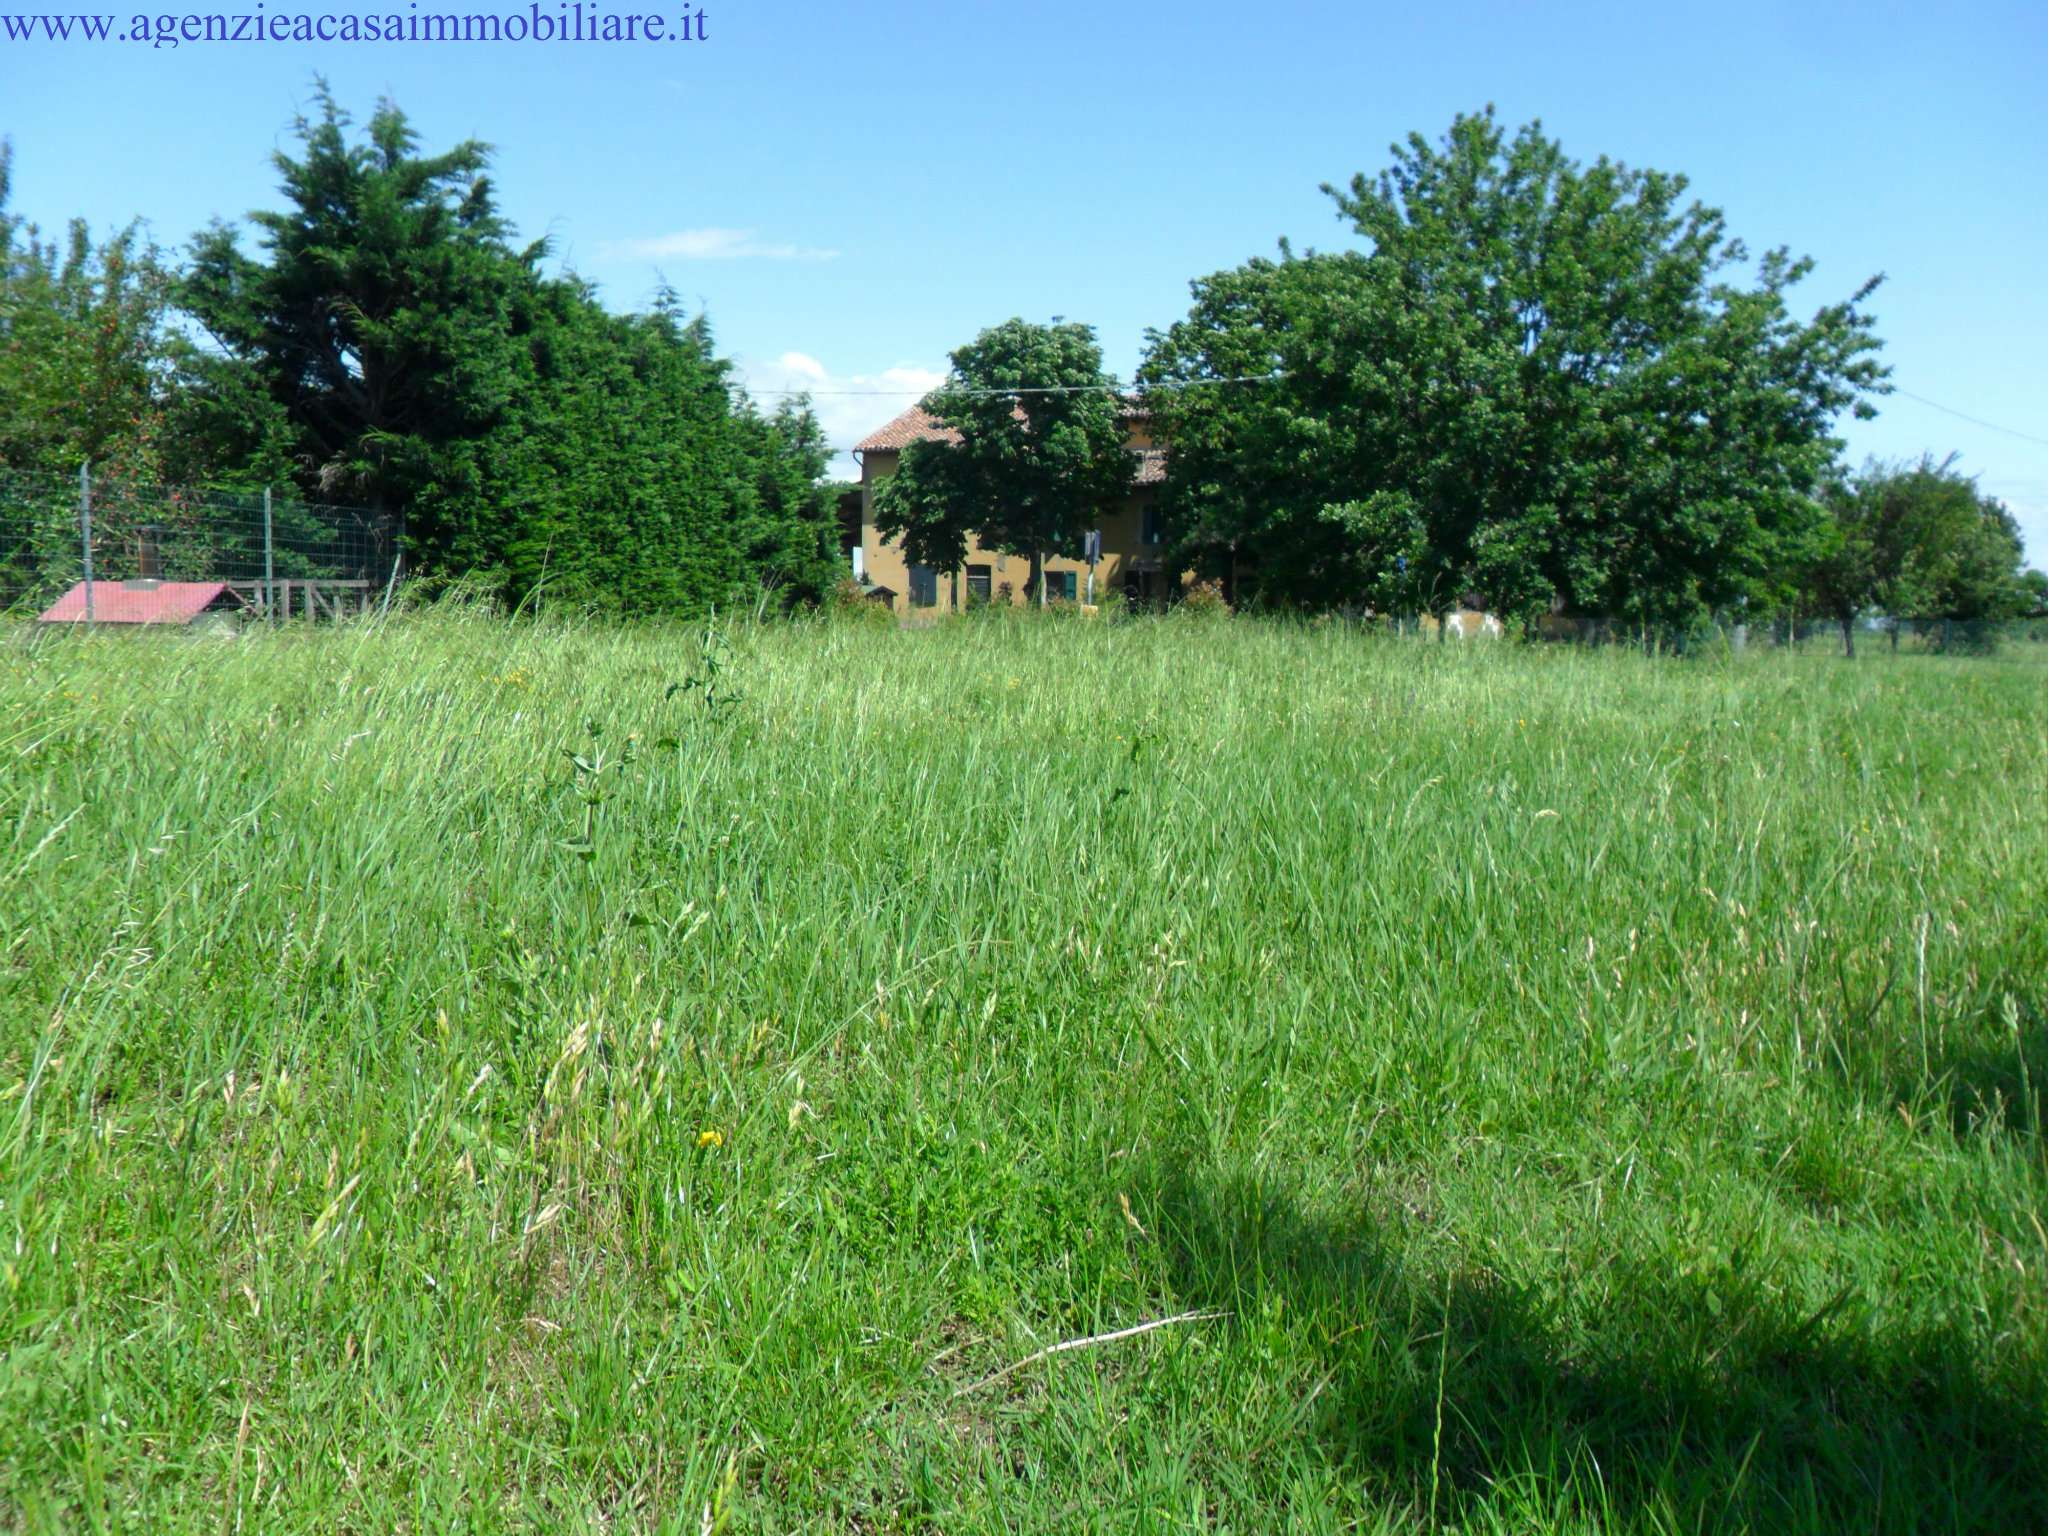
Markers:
<point>454,1079</point>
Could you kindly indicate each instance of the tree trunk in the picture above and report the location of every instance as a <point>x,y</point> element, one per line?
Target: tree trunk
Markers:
<point>1849,638</point>
<point>1038,575</point>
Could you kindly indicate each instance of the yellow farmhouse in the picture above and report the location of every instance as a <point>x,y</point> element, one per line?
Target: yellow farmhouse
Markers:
<point>1129,566</point>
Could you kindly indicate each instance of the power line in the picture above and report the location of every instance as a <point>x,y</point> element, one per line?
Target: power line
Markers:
<point>1975,421</point>
<point>978,394</point>
<point>1249,378</point>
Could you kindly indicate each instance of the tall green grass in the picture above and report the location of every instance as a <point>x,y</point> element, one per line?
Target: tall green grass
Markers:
<point>459,1076</point>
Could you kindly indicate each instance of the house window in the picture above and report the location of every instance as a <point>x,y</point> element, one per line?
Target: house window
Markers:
<point>924,587</point>
<point>1148,525</point>
<point>1059,586</point>
<point>980,583</point>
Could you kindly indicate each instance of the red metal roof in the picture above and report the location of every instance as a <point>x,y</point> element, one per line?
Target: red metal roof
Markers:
<point>117,602</point>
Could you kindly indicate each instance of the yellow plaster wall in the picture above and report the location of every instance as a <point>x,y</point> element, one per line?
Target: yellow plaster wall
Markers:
<point>884,565</point>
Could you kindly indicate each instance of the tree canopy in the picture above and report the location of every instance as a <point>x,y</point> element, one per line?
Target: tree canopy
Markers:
<point>390,346</point>
<point>82,330</point>
<point>84,339</point>
<point>1915,540</point>
<point>1532,382</point>
<point>1040,455</point>
<point>2033,594</point>
<point>1539,381</point>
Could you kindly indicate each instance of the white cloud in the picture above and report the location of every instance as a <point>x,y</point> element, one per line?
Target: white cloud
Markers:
<point>713,244</point>
<point>848,405</point>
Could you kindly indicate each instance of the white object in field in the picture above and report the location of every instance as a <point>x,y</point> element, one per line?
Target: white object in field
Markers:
<point>1469,624</point>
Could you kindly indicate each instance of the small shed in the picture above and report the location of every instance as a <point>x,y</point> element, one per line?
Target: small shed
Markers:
<point>141,602</point>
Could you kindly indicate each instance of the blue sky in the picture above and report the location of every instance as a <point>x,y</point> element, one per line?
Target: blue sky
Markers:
<point>853,189</point>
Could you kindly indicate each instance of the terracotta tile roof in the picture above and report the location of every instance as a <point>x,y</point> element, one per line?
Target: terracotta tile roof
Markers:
<point>915,425</point>
<point>116,602</point>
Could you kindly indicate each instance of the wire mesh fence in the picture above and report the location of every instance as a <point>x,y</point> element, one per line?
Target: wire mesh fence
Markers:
<point>105,551</point>
<point>1962,636</point>
<point>97,549</point>
<point>1917,636</point>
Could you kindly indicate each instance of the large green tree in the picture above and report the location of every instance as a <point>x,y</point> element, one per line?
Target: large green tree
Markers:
<point>84,346</point>
<point>628,480</point>
<point>1914,540</point>
<point>83,336</point>
<point>389,345</point>
<point>2033,594</point>
<point>1539,380</point>
<point>1039,458</point>
<point>384,317</point>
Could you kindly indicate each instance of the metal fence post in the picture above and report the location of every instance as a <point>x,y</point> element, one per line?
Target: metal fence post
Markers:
<point>269,575</point>
<point>85,532</point>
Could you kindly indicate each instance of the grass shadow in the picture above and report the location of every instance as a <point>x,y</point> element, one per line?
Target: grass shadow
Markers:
<point>1981,1072</point>
<point>1982,1087</point>
<point>1668,1402</point>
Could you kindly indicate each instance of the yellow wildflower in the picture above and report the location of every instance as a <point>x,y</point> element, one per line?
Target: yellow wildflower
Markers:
<point>708,1139</point>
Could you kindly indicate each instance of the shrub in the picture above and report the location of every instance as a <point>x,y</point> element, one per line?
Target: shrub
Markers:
<point>1205,600</point>
<point>846,603</point>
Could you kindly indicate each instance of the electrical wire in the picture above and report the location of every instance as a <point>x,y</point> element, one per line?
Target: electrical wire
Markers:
<point>1252,378</point>
<point>1975,421</point>
<point>979,394</point>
